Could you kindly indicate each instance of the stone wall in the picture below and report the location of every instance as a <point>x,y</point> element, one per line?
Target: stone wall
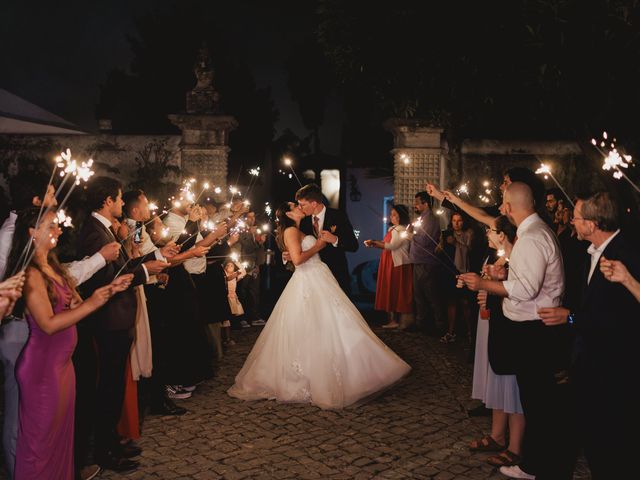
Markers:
<point>115,155</point>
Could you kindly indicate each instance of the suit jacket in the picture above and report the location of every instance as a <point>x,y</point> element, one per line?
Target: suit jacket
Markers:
<point>119,313</point>
<point>335,257</point>
<point>608,328</point>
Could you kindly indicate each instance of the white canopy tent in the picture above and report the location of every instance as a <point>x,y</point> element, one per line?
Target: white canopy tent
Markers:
<point>20,117</point>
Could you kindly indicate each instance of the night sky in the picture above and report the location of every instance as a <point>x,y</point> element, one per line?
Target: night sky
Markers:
<point>56,54</point>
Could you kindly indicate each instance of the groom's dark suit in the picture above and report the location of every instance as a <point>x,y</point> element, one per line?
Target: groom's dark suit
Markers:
<point>604,371</point>
<point>339,225</point>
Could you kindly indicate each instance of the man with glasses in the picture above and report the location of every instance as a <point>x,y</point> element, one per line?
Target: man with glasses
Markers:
<point>607,328</point>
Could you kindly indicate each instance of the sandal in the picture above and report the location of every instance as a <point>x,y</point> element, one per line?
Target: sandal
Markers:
<point>486,444</point>
<point>504,459</point>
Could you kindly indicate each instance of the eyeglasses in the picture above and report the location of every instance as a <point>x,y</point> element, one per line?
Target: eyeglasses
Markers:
<point>579,218</point>
<point>489,229</point>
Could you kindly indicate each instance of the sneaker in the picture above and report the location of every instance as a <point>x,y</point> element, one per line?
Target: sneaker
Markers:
<point>188,388</point>
<point>448,338</point>
<point>516,472</point>
<point>176,392</point>
<point>258,322</point>
<point>244,324</point>
<point>89,472</point>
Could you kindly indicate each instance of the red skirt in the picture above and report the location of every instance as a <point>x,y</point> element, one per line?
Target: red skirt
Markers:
<point>394,289</point>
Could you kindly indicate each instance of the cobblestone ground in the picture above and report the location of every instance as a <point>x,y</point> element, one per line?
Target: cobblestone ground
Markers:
<point>419,429</point>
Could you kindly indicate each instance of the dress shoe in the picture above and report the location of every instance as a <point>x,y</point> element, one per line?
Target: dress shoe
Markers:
<point>89,472</point>
<point>118,464</point>
<point>516,472</point>
<point>479,411</point>
<point>167,407</point>
<point>129,450</point>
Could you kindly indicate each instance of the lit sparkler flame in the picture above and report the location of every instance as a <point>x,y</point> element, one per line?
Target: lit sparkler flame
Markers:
<point>63,219</point>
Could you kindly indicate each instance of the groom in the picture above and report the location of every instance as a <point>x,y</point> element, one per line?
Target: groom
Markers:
<point>333,227</point>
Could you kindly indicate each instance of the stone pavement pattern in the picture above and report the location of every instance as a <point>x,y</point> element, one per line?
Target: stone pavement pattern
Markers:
<point>419,429</point>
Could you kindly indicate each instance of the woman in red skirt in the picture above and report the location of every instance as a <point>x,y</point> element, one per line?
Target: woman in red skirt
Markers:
<point>394,290</point>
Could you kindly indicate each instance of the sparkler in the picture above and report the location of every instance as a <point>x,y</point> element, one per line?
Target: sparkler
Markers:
<point>464,188</point>
<point>63,219</point>
<point>70,169</point>
<point>546,171</point>
<point>613,160</point>
<point>289,163</point>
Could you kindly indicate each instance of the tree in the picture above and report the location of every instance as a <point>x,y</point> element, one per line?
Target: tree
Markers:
<point>161,73</point>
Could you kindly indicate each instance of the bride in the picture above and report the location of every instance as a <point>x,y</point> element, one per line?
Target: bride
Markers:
<point>316,347</point>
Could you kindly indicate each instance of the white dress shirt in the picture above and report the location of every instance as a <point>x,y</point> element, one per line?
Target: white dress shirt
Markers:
<point>596,253</point>
<point>536,273</point>
<point>321,216</point>
<point>6,237</point>
<point>80,270</point>
<point>103,220</point>
<point>176,223</point>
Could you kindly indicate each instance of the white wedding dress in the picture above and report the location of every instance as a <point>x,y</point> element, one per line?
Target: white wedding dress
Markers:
<point>316,347</point>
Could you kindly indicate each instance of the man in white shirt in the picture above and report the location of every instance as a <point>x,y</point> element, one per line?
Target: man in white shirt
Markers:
<point>535,281</point>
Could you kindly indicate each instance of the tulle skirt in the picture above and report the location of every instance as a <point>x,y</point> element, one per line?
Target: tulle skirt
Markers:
<point>316,348</point>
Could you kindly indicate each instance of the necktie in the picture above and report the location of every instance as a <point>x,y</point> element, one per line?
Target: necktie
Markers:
<point>316,227</point>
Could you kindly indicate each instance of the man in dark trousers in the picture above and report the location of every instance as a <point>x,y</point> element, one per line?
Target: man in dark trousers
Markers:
<point>333,227</point>
<point>112,325</point>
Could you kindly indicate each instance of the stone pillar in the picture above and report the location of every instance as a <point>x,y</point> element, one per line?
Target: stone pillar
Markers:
<point>205,130</point>
<point>203,148</point>
<point>418,158</point>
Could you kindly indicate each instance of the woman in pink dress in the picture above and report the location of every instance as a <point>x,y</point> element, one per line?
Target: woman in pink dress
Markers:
<point>44,370</point>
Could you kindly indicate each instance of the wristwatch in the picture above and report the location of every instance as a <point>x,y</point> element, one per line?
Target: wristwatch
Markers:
<point>571,319</point>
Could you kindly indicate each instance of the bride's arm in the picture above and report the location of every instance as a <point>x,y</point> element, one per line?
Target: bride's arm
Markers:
<point>294,246</point>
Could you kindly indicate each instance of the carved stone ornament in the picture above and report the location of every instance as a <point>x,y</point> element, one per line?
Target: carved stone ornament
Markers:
<point>203,98</point>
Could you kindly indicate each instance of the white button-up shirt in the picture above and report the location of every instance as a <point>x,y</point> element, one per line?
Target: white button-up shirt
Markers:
<point>80,270</point>
<point>596,253</point>
<point>176,223</point>
<point>6,238</point>
<point>536,273</point>
<point>321,216</point>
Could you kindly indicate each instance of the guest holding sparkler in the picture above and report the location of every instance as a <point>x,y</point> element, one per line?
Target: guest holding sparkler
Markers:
<point>190,305</point>
<point>394,289</point>
<point>487,215</point>
<point>113,324</point>
<point>616,271</point>
<point>148,354</point>
<point>251,250</point>
<point>44,370</point>
<point>456,245</point>
<point>607,329</point>
<point>536,278</point>
<point>429,302</point>
<point>27,191</point>
<point>493,380</point>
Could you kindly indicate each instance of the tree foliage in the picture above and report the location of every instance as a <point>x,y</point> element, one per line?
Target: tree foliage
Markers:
<point>510,68</point>
<point>161,73</point>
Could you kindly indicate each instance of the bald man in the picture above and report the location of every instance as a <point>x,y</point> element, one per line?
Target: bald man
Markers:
<point>535,280</point>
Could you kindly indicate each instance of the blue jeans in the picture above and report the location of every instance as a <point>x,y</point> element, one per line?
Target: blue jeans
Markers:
<point>13,337</point>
